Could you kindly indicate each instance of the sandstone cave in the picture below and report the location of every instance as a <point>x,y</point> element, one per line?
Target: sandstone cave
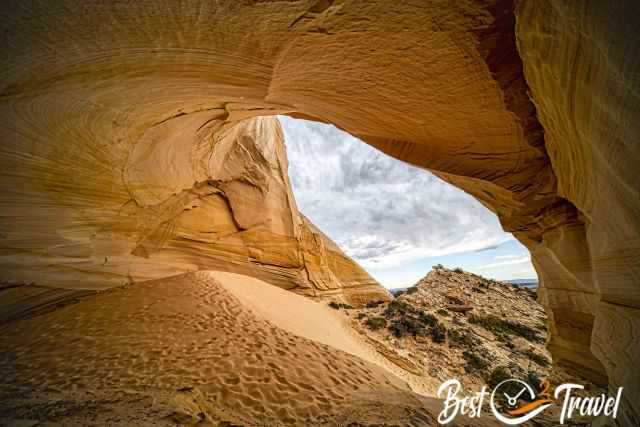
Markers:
<point>139,143</point>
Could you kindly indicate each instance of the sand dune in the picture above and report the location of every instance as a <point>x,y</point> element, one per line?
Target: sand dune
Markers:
<point>198,348</point>
<point>317,322</point>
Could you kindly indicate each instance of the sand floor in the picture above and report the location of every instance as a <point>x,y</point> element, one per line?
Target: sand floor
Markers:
<point>198,349</point>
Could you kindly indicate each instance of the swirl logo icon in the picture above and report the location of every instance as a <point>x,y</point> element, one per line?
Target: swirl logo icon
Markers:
<point>514,391</point>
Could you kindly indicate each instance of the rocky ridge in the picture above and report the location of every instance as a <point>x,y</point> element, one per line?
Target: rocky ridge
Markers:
<point>456,324</point>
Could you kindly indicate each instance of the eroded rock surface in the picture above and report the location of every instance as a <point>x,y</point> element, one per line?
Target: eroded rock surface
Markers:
<point>581,63</point>
<point>110,114</point>
<point>232,209</point>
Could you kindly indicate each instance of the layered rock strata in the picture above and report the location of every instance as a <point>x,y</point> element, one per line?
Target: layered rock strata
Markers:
<point>221,203</point>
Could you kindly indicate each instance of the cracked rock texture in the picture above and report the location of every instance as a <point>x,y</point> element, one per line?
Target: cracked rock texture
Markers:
<point>115,118</point>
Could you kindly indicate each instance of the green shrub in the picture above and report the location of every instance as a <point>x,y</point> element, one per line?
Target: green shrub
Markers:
<point>406,325</point>
<point>458,270</point>
<point>360,316</point>
<point>375,323</point>
<point>428,319</point>
<point>396,307</point>
<point>339,305</point>
<point>463,338</point>
<point>438,332</point>
<point>443,312</point>
<point>538,358</point>
<point>438,267</point>
<point>478,290</point>
<point>374,304</point>
<point>498,375</point>
<point>475,362</point>
<point>412,290</point>
<point>500,327</point>
<point>503,338</point>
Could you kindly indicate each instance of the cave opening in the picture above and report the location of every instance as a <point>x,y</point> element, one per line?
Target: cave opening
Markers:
<point>394,219</point>
<point>465,291</point>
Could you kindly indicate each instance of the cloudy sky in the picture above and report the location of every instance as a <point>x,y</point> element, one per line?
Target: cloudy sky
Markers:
<point>394,219</point>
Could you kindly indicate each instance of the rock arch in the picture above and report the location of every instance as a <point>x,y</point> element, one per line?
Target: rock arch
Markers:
<point>110,109</point>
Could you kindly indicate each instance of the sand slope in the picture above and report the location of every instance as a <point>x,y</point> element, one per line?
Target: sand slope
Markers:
<point>187,348</point>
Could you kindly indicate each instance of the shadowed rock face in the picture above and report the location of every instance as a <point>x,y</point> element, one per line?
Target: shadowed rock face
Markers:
<point>581,64</point>
<point>111,113</point>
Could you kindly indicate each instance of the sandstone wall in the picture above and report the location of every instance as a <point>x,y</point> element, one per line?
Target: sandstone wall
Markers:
<point>187,199</point>
<point>98,102</point>
<point>581,62</point>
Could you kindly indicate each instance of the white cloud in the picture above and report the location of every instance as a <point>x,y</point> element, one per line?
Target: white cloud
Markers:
<point>382,212</point>
<point>518,260</point>
<point>508,256</point>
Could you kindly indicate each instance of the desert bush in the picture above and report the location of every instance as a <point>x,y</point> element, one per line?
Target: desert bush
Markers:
<point>443,312</point>
<point>412,290</point>
<point>428,319</point>
<point>478,290</point>
<point>438,267</point>
<point>458,270</point>
<point>374,304</point>
<point>537,358</point>
<point>396,307</point>
<point>510,345</point>
<point>438,333</point>
<point>475,362</point>
<point>498,375</point>
<point>407,325</point>
<point>361,316</point>
<point>375,323</point>
<point>501,326</point>
<point>339,305</point>
<point>462,338</point>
